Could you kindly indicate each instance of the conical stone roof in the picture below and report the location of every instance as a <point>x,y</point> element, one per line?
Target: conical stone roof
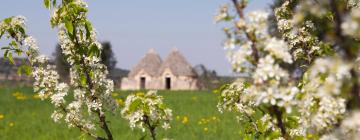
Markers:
<point>150,63</point>
<point>178,65</point>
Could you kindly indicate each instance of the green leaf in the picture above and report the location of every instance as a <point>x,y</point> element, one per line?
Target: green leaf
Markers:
<point>47,4</point>
<point>14,44</point>
<point>162,106</point>
<point>134,105</point>
<point>88,29</point>
<point>20,70</point>
<point>247,84</point>
<point>275,134</point>
<point>82,137</point>
<point>19,52</point>
<point>146,109</point>
<point>6,53</point>
<point>91,74</point>
<point>143,137</point>
<point>69,26</point>
<point>21,29</point>
<point>8,20</point>
<point>54,3</point>
<point>94,51</point>
<point>11,59</point>
<point>24,69</point>
<point>5,48</point>
<point>1,34</point>
<point>83,79</point>
<point>27,70</point>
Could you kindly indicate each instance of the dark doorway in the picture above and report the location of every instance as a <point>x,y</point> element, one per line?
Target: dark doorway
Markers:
<point>142,82</point>
<point>167,83</point>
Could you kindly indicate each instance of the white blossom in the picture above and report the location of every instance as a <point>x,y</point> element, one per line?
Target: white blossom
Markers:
<point>267,69</point>
<point>31,43</point>
<point>279,49</point>
<point>146,110</point>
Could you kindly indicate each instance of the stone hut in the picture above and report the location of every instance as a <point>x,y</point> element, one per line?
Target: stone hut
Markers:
<point>175,73</point>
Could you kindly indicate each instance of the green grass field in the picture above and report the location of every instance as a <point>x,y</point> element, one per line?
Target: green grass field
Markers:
<point>23,117</point>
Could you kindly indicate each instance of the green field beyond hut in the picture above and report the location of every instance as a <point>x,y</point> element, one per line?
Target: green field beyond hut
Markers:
<point>23,116</point>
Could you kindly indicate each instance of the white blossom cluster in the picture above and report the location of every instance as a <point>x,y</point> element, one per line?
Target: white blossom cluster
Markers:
<point>102,88</point>
<point>239,47</point>
<point>353,3</point>
<point>298,33</point>
<point>279,49</point>
<point>222,14</point>
<point>264,72</point>
<point>236,97</point>
<point>88,77</point>
<point>348,129</point>
<point>47,86</point>
<point>322,104</point>
<point>267,69</point>
<point>351,25</point>
<point>146,111</point>
<point>91,88</point>
<point>31,43</point>
<point>13,23</point>
<point>46,82</point>
<point>313,103</point>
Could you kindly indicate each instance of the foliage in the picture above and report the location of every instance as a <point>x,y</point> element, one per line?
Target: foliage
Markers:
<point>303,79</point>
<point>147,111</point>
<point>107,56</point>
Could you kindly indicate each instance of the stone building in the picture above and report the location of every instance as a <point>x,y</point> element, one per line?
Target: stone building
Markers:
<point>9,72</point>
<point>174,73</point>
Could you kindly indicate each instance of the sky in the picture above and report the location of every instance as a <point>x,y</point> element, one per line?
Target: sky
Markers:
<point>135,26</point>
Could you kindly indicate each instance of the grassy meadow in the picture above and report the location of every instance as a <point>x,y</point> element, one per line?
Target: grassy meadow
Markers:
<point>195,117</point>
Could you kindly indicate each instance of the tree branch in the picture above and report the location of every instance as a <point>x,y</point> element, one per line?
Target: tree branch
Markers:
<point>102,117</point>
<point>62,106</point>
<point>278,114</point>
<point>151,128</point>
<point>82,128</point>
<point>239,9</point>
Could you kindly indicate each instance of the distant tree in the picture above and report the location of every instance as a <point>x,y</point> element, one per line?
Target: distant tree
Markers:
<point>107,56</point>
<point>63,68</point>
<point>208,78</point>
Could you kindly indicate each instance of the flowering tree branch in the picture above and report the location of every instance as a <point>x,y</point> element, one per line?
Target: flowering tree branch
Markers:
<point>239,9</point>
<point>91,89</point>
<point>344,44</point>
<point>101,116</point>
<point>36,61</point>
<point>296,108</point>
<point>147,111</point>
